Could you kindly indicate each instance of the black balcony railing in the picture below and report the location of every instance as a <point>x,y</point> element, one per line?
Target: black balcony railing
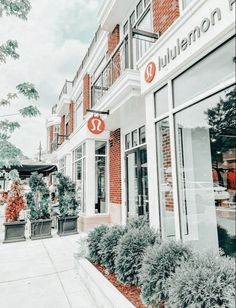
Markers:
<point>117,63</point>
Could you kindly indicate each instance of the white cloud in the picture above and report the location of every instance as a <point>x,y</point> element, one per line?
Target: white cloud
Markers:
<point>52,44</point>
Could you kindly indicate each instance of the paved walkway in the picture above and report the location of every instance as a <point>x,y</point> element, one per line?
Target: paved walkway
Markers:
<point>41,274</point>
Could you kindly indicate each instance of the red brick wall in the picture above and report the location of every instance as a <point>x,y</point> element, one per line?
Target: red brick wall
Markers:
<point>86,93</point>
<point>113,39</point>
<point>115,167</point>
<point>71,114</point>
<point>62,130</point>
<point>165,13</point>
<point>169,202</point>
<point>51,134</point>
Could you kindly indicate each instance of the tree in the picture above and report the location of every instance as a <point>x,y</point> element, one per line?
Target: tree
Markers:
<point>15,201</point>
<point>9,154</point>
<point>38,197</point>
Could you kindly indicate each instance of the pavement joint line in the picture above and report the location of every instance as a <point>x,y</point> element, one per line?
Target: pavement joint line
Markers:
<point>36,276</point>
<point>57,273</point>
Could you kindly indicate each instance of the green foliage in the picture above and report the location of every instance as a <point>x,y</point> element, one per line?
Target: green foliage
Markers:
<point>159,262</point>
<point>137,222</point>
<point>206,280</point>
<point>130,251</point>
<point>8,50</point>
<point>28,90</point>
<point>68,205</point>
<point>94,240</point>
<point>8,154</point>
<point>38,197</point>
<point>108,246</point>
<point>18,8</point>
<point>226,242</point>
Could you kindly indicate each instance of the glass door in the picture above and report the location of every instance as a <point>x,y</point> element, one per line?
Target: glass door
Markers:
<point>137,182</point>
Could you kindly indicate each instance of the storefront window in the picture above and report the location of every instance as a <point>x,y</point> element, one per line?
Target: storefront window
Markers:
<point>217,67</point>
<point>206,151</point>
<point>62,165</point>
<point>161,101</point>
<point>134,138</point>
<point>79,173</point>
<point>142,135</point>
<point>165,179</point>
<point>101,177</point>
<point>127,141</point>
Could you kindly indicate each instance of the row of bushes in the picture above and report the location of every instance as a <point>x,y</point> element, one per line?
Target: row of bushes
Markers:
<point>167,272</point>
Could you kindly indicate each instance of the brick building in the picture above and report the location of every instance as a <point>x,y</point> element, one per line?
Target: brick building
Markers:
<point>136,76</point>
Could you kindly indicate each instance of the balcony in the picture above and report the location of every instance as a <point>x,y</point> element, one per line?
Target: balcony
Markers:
<point>123,58</point>
<point>64,98</point>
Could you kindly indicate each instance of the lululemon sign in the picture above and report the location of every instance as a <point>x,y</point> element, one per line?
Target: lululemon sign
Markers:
<point>96,125</point>
<point>150,72</point>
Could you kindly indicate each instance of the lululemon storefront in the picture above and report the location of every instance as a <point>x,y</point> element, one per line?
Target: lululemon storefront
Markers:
<point>188,81</point>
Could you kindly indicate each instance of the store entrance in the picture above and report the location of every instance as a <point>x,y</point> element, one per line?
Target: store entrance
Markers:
<point>137,182</point>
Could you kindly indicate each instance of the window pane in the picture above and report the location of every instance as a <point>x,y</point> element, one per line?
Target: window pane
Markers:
<point>78,153</point>
<point>186,3</point>
<point>161,101</point>
<point>165,179</point>
<point>139,9</point>
<point>125,27</point>
<point>142,135</point>
<point>134,138</point>
<point>127,141</point>
<point>100,193</point>
<point>215,68</point>
<point>207,171</point>
<point>100,148</point>
<point>132,18</point>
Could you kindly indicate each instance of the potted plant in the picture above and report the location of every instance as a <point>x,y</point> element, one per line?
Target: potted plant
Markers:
<point>38,205</point>
<point>15,203</point>
<point>68,206</point>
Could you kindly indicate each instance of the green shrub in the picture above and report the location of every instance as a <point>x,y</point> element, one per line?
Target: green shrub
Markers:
<point>94,239</point>
<point>130,251</point>
<point>159,262</point>
<point>137,222</point>
<point>108,246</point>
<point>205,281</point>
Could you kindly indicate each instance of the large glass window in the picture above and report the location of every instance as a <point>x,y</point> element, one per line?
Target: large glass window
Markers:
<point>62,165</point>
<point>100,177</point>
<point>165,179</point>
<point>206,151</point>
<point>209,72</point>
<point>79,173</point>
<point>161,101</point>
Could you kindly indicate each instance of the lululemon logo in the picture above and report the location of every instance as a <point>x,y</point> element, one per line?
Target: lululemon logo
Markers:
<point>150,72</point>
<point>96,125</point>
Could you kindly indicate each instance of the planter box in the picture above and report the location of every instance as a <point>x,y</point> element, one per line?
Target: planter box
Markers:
<point>104,294</point>
<point>14,231</point>
<point>40,229</point>
<point>67,225</point>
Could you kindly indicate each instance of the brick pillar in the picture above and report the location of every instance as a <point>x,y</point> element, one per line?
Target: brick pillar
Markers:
<point>113,39</point>
<point>71,115</point>
<point>165,13</point>
<point>51,136</point>
<point>115,167</point>
<point>86,93</point>
<point>62,129</point>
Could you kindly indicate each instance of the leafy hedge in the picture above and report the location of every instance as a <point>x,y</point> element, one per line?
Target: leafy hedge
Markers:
<point>94,239</point>
<point>159,262</point>
<point>108,246</point>
<point>130,251</point>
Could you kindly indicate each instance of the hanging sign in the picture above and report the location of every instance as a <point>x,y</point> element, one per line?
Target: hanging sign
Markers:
<point>150,72</point>
<point>96,125</point>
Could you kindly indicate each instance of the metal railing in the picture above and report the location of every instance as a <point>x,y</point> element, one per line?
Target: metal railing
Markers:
<point>116,64</point>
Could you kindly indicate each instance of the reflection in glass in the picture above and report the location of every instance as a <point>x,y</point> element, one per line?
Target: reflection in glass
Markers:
<point>161,101</point>
<point>100,177</point>
<point>134,138</point>
<point>165,179</point>
<point>207,171</point>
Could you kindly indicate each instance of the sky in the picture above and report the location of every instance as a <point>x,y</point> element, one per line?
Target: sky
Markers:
<point>52,43</point>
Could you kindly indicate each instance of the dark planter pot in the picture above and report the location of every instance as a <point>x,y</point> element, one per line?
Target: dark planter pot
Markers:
<point>40,229</point>
<point>67,225</point>
<point>14,231</point>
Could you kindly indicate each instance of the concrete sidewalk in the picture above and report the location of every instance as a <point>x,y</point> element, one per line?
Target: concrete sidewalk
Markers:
<point>41,274</point>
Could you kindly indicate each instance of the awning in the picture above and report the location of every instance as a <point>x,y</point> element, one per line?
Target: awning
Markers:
<point>25,171</point>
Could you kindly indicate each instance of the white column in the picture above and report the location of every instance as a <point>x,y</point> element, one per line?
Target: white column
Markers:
<point>90,177</point>
<point>152,162</point>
